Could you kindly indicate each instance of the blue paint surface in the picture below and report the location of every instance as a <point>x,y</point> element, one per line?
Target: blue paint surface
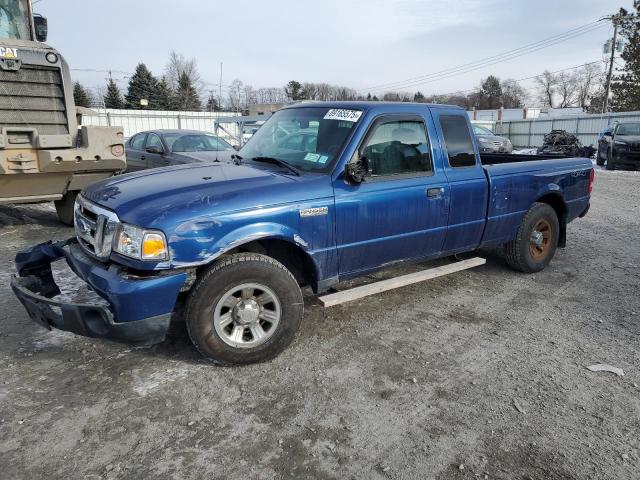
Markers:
<point>207,209</point>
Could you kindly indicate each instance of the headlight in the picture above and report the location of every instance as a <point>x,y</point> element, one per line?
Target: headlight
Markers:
<point>136,242</point>
<point>484,140</point>
<point>619,143</point>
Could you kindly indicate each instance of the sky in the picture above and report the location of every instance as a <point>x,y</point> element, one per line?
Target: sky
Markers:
<point>363,44</point>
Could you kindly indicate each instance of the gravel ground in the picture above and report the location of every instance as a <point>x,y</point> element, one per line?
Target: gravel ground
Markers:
<point>481,374</point>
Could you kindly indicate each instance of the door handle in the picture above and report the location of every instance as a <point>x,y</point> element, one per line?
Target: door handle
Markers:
<point>435,192</point>
<point>142,157</point>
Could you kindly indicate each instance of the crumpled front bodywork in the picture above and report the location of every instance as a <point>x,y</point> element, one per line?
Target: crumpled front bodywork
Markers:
<point>138,311</point>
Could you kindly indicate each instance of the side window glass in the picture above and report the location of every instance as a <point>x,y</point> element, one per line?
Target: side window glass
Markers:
<point>153,140</point>
<point>458,141</point>
<point>396,148</point>
<point>137,141</point>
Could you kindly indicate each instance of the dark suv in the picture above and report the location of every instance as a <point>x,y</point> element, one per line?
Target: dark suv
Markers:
<point>620,146</point>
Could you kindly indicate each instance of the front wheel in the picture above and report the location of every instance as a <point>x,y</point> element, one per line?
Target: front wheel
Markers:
<point>246,308</point>
<point>536,240</point>
<point>64,207</point>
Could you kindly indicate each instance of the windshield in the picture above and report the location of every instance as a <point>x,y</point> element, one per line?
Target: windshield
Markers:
<point>195,142</point>
<point>478,130</point>
<point>308,138</point>
<point>628,129</point>
<point>14,20</point>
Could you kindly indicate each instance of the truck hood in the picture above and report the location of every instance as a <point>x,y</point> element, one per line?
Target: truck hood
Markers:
<point>221,156</point>
<point>164,197</point>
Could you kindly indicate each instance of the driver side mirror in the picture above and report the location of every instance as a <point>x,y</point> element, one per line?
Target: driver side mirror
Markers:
<point>236,147</point>
<point>154,149</point>
<point>41,28</point>
<point>608,134</point>
<point>357,170</point>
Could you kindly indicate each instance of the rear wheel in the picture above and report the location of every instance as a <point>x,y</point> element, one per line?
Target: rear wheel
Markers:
<point>64,207</point>
<point>246,308</point>
<point>536,240</point>
<point>601,157</point>
<point>610,164</point>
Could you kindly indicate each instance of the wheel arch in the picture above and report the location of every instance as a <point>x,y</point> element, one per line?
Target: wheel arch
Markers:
<point>283,245</point>
<point>555,201</point>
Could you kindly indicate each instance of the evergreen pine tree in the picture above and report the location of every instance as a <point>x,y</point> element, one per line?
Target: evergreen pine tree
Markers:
<point>163,99</point>
<point>113,97</point>
<point>186,97</point>
<point>81,96</point>
<point>490,93</point>
<point>142,86</point>
<point>293,90</point>
<point>626,86</point>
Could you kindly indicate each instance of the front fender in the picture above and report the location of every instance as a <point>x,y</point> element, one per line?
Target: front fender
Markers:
<point>201,250</point>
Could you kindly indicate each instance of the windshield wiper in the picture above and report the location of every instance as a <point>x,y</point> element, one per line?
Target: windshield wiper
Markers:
<point>279,162</point>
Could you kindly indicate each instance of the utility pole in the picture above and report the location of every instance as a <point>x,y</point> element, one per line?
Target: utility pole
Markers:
<point>607,89</point>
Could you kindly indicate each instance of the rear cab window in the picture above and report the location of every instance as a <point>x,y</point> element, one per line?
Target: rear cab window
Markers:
<point>457,139</point>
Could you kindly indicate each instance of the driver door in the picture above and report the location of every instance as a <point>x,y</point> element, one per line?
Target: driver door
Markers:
<point>155,160</point>
<point>400,211</point>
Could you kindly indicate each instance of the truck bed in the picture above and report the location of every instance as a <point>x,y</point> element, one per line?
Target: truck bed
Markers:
<point>499,158</point>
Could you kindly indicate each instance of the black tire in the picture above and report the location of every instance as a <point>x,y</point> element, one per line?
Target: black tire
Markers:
<point>225,275</point>
<point>64,207</point>
<point>518,252</point>
<point>600,158</point>
<point>610,164</point>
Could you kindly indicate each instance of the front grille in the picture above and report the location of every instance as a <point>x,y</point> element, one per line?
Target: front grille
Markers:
<point>33,97</point>
<point>95,227</point>
<point>634,147</point>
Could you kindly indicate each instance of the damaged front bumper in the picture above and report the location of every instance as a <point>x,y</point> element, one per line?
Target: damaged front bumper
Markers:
<point>139,308</point>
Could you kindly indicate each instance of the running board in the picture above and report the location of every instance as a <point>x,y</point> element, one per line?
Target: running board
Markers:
<point>397,282</point>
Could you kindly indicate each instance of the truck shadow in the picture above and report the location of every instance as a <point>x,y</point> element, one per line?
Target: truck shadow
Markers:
<point>37,213</point>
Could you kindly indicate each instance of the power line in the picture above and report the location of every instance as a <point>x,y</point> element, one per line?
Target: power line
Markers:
<point>526,78</point>
<point>488,61</point>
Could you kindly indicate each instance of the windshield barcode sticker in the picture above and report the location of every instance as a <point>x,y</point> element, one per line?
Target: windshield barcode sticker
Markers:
<point>340,114</point>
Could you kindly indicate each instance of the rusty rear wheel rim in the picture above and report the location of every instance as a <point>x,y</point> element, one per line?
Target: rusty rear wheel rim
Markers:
<point>540,240</point>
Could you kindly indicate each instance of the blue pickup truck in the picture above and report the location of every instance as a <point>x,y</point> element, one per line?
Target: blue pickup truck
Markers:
<point>365,186</point>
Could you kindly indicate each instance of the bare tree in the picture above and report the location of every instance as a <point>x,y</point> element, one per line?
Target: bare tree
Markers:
<point>179,65</point>
<point>588,81</point>
<point>567,89</point>
<point>233,97</point>
<point>249,96</point>
<point>310,90</point>
<point>547,84</point>
<point>323,91</point>
<point>513,95</point>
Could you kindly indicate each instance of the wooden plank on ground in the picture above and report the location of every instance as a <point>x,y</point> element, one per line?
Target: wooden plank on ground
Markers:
<point>396,282</point>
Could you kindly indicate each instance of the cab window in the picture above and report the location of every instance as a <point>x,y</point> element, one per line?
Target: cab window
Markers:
<point>398,147</point>
<point>457,139</point>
